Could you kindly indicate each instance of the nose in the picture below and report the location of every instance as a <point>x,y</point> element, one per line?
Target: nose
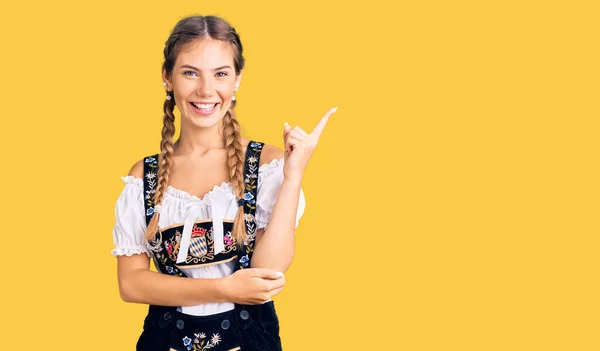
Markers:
<point>205,87</point>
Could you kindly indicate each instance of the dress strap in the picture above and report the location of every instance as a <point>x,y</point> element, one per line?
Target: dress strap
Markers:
<point>150,183</point>
<point>251,166</point>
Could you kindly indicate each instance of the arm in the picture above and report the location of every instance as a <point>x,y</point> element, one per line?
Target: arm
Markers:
<point>138,284</point>
<point>275,245</point>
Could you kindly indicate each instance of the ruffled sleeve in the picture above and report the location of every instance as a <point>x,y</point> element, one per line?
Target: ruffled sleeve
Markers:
<point>130,224</point>
<point>270,178</point>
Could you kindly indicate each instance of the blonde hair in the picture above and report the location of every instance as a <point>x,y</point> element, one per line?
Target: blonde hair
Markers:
<point>185,31</point>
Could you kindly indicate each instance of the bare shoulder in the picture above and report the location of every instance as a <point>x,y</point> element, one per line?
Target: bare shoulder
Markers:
<point>269,153</point>
<point>137,170</point>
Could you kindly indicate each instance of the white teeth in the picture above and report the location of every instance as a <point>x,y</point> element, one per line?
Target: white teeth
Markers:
<point>206,107</point>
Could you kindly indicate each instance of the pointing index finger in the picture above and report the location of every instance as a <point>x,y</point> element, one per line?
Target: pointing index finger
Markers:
<point>319,128</point>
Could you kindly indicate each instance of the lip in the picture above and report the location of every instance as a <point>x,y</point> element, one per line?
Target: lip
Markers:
<point>201,112</point>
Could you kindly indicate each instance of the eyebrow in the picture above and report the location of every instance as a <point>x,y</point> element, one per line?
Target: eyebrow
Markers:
<point>199,70</point>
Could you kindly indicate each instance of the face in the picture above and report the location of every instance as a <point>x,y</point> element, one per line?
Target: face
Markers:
<point>203,82</point>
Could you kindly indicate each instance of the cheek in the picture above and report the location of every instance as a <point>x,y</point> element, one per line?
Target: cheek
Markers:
<point>185,87</point>
<point>226,87</point>
<point>226,93</point>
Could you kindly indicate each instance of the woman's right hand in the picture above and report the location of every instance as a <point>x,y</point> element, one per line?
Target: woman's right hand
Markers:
<point>252,286</point>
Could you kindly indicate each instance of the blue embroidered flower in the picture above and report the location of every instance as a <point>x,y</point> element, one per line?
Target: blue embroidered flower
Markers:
<point>150,211</point>
<point>151,160</point>
<point>187,341</point>
<point>244,260</point>
<point>257,145</point>
<point>248,196</point>
<point>170,269</point>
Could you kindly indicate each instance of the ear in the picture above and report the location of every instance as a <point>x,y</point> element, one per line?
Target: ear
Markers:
<point>166,79</point>
<point>238,79</point>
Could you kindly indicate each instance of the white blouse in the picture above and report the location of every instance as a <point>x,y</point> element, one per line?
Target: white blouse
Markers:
<point>177,206</point>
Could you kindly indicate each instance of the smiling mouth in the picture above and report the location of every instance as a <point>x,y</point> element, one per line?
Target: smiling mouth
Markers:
<point>204,108</point>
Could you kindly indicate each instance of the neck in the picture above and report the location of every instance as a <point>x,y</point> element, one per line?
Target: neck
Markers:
<point>199,140</point>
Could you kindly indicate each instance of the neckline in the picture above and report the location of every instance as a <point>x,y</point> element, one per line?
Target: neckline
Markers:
<point>224,186</point>
<point>182,194</point>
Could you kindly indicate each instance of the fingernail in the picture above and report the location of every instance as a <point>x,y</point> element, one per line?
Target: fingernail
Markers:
<point>279,274</point>
<point>334,109</point>
<point>286,124</point>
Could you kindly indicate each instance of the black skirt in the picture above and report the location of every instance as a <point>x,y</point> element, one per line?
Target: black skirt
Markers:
<point>246,327</point>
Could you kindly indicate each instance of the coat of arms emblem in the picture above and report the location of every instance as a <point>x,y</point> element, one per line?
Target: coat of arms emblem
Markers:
<point>198,244</point>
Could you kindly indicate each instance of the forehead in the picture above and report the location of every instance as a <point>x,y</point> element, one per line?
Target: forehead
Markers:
<point>205,54</point>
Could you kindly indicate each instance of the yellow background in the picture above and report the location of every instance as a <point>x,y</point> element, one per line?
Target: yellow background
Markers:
<point>452,203</point>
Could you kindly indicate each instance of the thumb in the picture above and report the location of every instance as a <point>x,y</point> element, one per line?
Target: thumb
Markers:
<point>268,273</point>
<point>286,129</point>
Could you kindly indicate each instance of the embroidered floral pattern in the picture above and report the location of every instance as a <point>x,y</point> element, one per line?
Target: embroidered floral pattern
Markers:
<point>162,251</point>
<point>150,182</point>
<point>250,186</point>
<point>244,261</point>
<point>228,240</point>
<point>166,252</point>
<point>200,342</point>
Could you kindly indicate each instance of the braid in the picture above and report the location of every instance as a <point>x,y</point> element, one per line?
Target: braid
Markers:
<point>235,157</point>
<point>165,161</point>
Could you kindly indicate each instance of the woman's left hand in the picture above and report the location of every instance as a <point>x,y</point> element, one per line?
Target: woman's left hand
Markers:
<point>300,145</point>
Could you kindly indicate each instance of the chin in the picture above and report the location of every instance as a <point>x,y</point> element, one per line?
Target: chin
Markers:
<point>205,121</point>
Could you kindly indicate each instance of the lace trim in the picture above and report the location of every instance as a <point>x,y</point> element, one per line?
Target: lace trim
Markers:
<point>129,251</point>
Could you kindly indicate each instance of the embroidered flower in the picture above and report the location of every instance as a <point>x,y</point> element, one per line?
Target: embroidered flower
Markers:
<point>244,260</point>
<point>150,160</point>
<point>150,175</point>
<point>248,217</point>
<point>248,196</point>
<point>252,159</point>
<point>216,339</point>
<point>201,335</point>
<point>187,341</point>
<point>170,269</point>
<point>150,211</point>
<point>256,145</point>
<point>227,239</point>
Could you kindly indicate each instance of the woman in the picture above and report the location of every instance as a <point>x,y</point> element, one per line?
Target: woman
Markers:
<point>235,239</point>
